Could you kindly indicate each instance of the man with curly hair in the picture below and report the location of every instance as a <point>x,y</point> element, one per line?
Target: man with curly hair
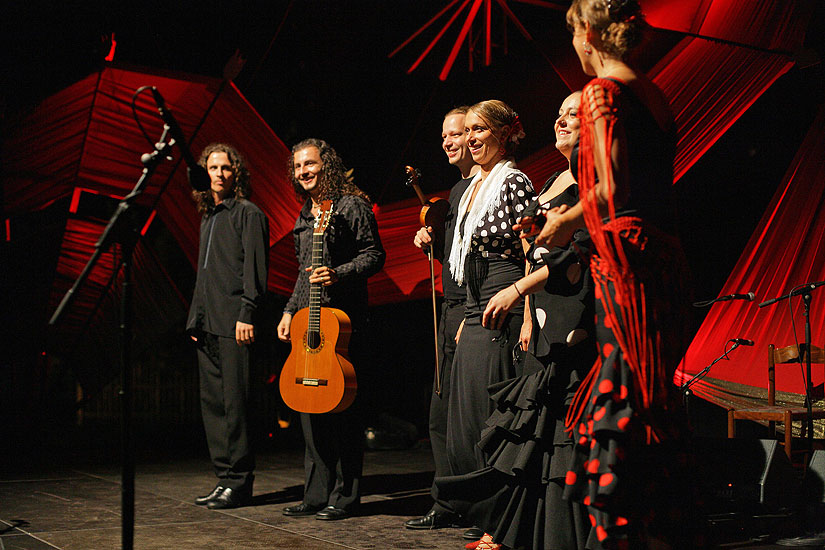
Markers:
<point>229,290</point>
<point>352,252</point>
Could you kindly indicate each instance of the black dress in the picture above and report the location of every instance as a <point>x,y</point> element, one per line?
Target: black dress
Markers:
<point>517,495</point>
<point>484,356</point>
<point>631,465</point>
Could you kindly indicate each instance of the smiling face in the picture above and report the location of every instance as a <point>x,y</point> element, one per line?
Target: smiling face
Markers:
<point>567,124</point>
<point>483,141</point>
<point>454,142</point>
<point>221,175</point>
<point>308,169</point>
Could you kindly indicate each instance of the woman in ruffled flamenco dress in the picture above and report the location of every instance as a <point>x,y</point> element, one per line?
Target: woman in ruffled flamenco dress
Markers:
<point>488,256</point>
<point>517,497</point>
<point>630,461</point>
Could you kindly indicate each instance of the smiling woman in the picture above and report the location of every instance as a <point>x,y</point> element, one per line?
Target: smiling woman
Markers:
<point>487,254</point>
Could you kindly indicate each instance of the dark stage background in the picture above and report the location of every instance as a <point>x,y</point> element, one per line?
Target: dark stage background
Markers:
<point>320,68</point>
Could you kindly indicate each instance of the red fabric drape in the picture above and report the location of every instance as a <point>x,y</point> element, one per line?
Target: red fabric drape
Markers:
<point>85,136</point>
<point>709,86</point>
<point>787,249</point>
<point>772,24</point>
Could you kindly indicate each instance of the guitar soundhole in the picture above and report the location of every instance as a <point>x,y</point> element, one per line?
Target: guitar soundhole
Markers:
<point>313,340</point>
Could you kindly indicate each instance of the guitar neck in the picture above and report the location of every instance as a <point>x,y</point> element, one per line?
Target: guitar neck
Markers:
<point>315,288</point>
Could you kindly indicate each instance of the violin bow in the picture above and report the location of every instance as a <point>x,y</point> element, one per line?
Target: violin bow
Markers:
<point>412,180</point>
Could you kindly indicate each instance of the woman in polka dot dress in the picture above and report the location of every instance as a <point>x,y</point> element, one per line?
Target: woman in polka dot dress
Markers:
<point>487,255</point>
<point>517,498</point>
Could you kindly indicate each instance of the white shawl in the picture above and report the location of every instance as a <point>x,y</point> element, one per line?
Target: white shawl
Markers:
<point>486,202</point>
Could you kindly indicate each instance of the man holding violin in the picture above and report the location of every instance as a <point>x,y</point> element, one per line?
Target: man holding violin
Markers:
<point>454,144</point>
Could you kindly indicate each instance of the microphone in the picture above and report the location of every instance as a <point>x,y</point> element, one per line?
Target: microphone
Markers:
<point>807,288</point>
<point>198,178</point>
<point>804,289</point>
<point>749,297</point>
<point>742,341</point>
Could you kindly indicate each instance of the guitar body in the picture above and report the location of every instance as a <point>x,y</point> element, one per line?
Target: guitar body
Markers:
<point>317,376</point>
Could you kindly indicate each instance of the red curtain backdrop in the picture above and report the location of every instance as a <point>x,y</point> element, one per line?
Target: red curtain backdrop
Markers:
<point>787,249</point>
<point>85,136</point>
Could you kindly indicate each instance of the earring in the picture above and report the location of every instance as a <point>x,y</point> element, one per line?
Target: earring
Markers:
<point>588,49</point>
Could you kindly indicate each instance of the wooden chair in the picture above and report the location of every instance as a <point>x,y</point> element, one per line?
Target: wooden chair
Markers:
<point>773,413</point>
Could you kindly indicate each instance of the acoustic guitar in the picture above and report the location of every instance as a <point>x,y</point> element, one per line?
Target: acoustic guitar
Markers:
<point>318,377</point>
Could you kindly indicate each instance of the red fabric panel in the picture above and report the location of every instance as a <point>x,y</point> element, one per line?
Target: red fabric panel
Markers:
<point>159,306</point>
<point>41,158</point>
<point>709,87</point>
<point>787,249</point>
<point>775,24</point>
<point>683,16</point>
<point>406,273</point>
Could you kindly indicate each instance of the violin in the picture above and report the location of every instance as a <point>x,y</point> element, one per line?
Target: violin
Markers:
<point>433,211</point>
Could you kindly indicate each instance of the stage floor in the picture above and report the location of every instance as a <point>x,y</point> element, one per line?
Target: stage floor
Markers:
<point>47,506</point>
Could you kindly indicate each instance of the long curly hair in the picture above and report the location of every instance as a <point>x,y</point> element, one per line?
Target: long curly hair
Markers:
<point>618,24</point>
<point>335,180</point>
<point>242,188</point>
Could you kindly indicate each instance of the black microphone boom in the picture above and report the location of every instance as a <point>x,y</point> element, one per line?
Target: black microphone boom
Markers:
<point>198,178</point>
<point>749,297</point>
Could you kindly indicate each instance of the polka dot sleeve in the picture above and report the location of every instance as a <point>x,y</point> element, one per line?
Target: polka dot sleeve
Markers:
<point>494,235</point>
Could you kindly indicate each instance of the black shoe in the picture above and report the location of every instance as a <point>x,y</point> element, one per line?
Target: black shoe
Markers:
<point>202,501</point>
<point>473,533</point>
<point>434,520</point>
<point>231,498</point>
<point>331,513</point>
<point>302,509</point>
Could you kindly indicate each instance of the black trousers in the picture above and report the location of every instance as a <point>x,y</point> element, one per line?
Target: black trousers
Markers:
<point>334,443</point>
<point>333,459</point>
<point>224,387</point>
<point>451,316</point>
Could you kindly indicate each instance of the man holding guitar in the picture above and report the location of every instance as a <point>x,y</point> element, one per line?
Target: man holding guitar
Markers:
<point>352,252</point>
<point>454,144</point>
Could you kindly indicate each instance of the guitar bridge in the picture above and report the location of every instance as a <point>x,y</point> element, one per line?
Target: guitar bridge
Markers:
<point>311,381</point>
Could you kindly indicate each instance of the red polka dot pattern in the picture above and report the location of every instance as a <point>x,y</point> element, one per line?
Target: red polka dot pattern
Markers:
<point>593,466</point>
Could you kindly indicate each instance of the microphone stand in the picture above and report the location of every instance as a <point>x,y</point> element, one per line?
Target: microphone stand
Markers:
<point>123,229</point>
<point>685,387</point>
<point>804,349</point>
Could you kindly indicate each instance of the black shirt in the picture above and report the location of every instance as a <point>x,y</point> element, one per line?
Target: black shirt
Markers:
<point>232,268</point>
<point>452,291</point>
<point>352,248</point>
